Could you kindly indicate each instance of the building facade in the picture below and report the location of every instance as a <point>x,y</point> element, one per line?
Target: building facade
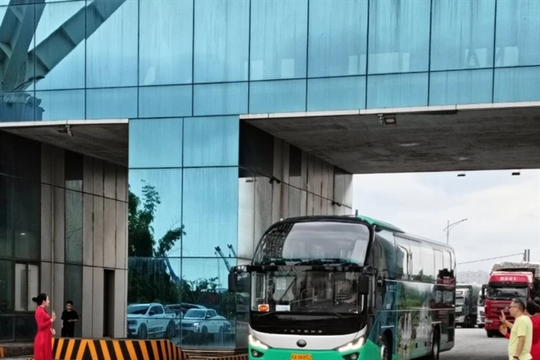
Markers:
<point>152,220</point>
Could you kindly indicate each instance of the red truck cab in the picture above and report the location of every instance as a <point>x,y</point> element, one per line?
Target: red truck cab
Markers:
<point>503,286</point>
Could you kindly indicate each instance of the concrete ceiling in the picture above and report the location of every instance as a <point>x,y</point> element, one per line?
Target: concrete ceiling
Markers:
<point>442,138</point>
<point>102,139</point>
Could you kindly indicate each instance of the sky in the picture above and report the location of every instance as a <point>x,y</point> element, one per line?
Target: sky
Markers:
<point>502,211</point>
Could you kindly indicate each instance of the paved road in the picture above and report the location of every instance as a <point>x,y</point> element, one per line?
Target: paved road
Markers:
<point>473,344</point>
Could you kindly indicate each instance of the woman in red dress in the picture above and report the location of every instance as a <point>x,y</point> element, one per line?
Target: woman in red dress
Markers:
<point>533,311</point>
<point>43,340</point>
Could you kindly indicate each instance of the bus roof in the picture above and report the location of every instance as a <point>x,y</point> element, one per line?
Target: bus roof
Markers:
<point>381,224</point>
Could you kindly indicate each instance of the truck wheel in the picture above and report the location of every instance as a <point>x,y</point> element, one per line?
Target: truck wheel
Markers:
<point>169,333</point>
<point>490,333</point>
<point>143,333</point>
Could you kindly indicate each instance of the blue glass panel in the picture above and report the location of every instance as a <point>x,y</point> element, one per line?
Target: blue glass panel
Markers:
<point>19,106</point>
<point>155,143</point>
<point>61,104</point>
<point>111,103</point>
<point>209,278</point>
<point>211,198</point>
<point>167,183</point>
<point>221,99</point>
<point>518,32</point>
<point>517,84</point>
<point>211,141</point>
<point>16,39</point>
<point>111,53</point>
<point>277,96</point>
<point>221,40</point>
<point>161,101</point>
<point>397,90</point>
<point>60,61</point>
<point>461,87</point>
<point>398,36</point>
<point>165,46</point>
<point>337,37</point>
<point>337,94</point>
<point>278,39</point>
<point>462,34</point>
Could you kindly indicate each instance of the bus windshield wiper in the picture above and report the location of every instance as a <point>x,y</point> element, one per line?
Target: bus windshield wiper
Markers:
<point>327,261</point>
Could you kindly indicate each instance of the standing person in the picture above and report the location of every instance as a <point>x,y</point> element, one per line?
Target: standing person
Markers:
<point>42,342</point>
<point>69,318</point>
<point>532,311</point>
<point>519,346</point>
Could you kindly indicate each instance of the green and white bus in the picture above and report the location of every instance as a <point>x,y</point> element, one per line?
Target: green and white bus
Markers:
<point>347,288</point>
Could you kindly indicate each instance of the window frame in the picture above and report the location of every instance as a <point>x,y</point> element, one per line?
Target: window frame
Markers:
<point>27,295</point>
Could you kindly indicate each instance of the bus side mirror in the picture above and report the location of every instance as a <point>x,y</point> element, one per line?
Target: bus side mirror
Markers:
<point>363,285</point>
<point>233,280</point>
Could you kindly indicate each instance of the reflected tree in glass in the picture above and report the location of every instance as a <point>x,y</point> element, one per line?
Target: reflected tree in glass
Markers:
<point>148,276</point>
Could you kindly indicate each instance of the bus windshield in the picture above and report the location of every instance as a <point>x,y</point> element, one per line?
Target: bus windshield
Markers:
<point>306,291</point>
<point>324,241</point>
<point>506,293</point>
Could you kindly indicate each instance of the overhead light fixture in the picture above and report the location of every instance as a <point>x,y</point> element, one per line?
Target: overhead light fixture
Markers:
<point>65,130</point>
<point>387,119</point>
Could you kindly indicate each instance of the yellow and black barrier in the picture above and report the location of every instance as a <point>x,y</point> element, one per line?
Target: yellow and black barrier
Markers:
<point>115,349</point>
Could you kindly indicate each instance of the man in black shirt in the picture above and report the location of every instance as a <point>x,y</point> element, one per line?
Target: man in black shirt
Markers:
<point>69,318</point>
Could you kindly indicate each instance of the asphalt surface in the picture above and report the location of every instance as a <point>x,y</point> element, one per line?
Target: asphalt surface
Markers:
<point>473,344</point>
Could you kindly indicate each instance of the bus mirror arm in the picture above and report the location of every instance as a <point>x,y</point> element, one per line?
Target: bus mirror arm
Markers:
<point>233,279</point>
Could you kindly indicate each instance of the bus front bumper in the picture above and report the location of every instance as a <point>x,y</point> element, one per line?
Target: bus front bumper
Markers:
<point>369,351</point>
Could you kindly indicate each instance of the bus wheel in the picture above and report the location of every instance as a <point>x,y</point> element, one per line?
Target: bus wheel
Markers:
<point>386,347</point>
<point>435,345</point>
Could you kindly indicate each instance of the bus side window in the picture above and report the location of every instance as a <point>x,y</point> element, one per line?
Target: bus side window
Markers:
<point>439,262</point>
<point>447,260</point>
<point>428,264</point>
<point>417,261</point>
<point>403,257</point>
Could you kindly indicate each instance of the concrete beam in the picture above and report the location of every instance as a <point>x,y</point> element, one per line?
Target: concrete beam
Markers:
<point>431,138</point>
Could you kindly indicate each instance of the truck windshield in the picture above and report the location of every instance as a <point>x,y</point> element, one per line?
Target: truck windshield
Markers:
<point>506,293</point>
<point>306,291</point>
<point>137,309</point>
<point>323,241</point>
<point>460,301</point>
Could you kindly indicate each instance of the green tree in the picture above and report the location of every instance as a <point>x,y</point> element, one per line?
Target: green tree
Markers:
<point>148,279</point>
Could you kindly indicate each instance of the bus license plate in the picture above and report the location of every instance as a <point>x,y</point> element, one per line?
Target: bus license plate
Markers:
<point>300,356</point>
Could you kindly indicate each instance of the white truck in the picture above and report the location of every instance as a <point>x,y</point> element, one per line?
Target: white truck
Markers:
<point>151,320</point>
<point>204,321</point>
<point>481,319</point>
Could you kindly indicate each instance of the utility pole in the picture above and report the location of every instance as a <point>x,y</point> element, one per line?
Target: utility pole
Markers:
<point>449,226</point>
<point>527,255</point>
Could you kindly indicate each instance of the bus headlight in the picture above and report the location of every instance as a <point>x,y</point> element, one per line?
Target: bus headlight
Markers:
<point>256,343</point>
<point>353,345</point>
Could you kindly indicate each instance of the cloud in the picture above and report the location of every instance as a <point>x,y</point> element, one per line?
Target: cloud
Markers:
<point>503,211</point>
